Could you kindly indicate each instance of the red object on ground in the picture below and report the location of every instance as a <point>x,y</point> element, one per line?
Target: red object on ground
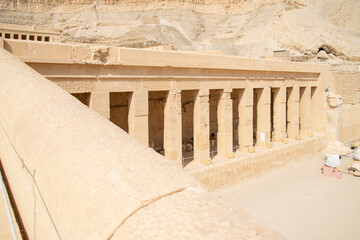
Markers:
<point>331,172</point>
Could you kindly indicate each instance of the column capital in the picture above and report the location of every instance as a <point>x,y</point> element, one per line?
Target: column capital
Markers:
<point>174,91</point>
<point>228,90</point>
<point>247,97</point>
<point>204,92</point>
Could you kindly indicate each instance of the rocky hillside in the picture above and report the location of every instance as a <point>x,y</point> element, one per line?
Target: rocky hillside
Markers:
<point>313,30</point>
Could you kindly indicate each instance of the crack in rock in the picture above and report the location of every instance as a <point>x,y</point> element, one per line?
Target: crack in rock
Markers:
<point>146,203</point>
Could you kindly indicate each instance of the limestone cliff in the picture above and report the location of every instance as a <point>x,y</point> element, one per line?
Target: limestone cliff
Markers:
<point>312,30</point>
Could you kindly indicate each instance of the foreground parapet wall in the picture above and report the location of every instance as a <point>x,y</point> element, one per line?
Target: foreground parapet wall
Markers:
<point>75,175</point>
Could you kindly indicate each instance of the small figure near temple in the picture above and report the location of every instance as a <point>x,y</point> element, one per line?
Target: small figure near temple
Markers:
<point>331,166</point>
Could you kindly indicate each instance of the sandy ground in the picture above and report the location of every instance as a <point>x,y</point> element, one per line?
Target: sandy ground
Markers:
<point>299,203</point>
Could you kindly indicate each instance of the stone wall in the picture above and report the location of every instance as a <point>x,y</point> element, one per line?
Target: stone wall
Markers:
<point>249,165</point>
<point>349,123</point>
<point>347,85</point>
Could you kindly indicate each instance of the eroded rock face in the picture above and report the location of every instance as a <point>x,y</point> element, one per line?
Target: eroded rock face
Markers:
<point>322,55</point>
<point>253,28</point>
<point>99,54</point>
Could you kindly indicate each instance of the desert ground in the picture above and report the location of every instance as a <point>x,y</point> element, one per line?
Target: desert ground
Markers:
<point>299,203</point>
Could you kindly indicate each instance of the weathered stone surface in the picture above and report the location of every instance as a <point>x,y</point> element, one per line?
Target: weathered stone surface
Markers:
<point>322,55</point>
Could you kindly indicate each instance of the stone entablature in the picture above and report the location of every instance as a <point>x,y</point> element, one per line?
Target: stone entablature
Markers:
<point>106,55</point>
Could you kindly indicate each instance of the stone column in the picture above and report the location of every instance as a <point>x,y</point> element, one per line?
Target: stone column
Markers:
<point>279,114</point>
<point>201,126</point>
<point>293,113</point>
<point>173,127</point>
<point>100,103</point>
<point>225,123</point>
<point>245,129</point>
<point>305,110</point>
<point>263,132</point>
<point>315,103</point>
<point>139,116</point>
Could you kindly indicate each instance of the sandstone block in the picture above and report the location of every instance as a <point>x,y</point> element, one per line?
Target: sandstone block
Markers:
<point>230,155</point>
<point>206,161</point>
<point>251,149</point>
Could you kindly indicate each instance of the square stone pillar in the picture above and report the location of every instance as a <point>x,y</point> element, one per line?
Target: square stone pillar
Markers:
<point>245,110</point>
<point>316,109</point>
<point>173,127</point>
<point>305,110</point>
<point>279,114</point>
<point>263,132</point>
<point>201,126</point>
<point>225,123</point>
<point>100,103</point>
<point>293,113</point>
<point>139,116</point>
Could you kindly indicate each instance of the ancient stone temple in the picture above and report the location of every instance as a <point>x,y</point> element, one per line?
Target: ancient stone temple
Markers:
<point>218,106</point>
<point>88,123</point>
